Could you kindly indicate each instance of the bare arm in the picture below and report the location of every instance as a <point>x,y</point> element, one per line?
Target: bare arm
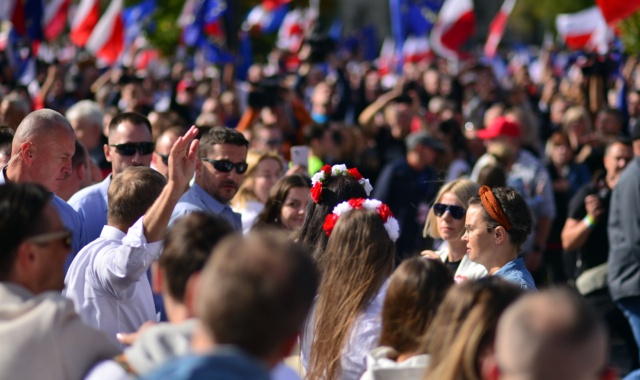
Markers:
<point>182,164</point>
<point>366,117</point>
<point>575,232</point>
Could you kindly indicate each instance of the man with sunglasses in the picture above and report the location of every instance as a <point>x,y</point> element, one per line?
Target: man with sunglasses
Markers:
<point>130,144</point>
<point>219,173</point>
<point>33,313</point>
<point>164,142</point>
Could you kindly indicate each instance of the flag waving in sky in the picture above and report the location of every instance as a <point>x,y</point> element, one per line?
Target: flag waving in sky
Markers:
<point>497,27</point>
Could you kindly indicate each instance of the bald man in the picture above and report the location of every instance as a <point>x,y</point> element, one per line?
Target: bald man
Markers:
<point>41,153</point>
<point>550,335</point>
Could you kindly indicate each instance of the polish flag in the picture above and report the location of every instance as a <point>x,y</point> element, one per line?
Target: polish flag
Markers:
<point>616,10</point>
<point>416,49</point>
<point>55,18</point>
<point>497,27</point>
<point>13,10</point>
<point>291,33</point>
<point>456,23</point>
<point>86,18</point>
<point>582,30</point>
<point>107,39</point>
<point>387,60</point>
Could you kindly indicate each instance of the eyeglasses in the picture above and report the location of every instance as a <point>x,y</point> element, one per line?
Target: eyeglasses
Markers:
<point>130,149</point>
<point>469,229</point>
<point>226,166</point>
<point>164,157</point>
<point>456,212</point>
<point>42,239</point>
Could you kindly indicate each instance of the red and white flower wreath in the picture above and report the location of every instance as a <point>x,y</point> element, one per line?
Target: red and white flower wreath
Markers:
<point>336,170</point>
<point>390,222</point>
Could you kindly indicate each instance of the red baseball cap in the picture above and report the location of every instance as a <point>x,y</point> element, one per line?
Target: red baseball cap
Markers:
<point>500,126</point>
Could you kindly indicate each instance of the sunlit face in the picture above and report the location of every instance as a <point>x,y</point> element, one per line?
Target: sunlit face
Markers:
<point>479,238</point>
<point>616,159</point>
<point>221,186</point>
<point>163,147</point>
<point>51,162</point>
<point>450,228</point>
<point>266,175</point>
<point>293,210</point>
<point>125,133</point>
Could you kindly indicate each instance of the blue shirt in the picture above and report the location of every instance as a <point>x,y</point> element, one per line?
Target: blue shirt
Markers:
<point>225,362</point>
<point>91,204</point>
<point>516,273</point>
<point>196,199</point>
<point>71,220</point>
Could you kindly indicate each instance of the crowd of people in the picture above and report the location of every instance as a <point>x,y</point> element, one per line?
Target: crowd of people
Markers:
<point>159,227</point>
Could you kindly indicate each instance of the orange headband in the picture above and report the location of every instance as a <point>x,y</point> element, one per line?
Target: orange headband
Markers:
<point>492,206</point>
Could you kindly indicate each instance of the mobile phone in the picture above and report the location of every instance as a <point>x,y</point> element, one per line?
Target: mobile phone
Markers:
<point>300,155</point>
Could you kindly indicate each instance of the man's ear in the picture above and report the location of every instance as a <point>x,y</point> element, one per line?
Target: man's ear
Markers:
<point>107,152</point>
<point>198,168</point>
<point>190,292</point>
<point>27,152</point>
<point>489,369</point>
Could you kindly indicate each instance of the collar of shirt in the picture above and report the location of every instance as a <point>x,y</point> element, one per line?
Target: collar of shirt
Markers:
<point>210,202</point>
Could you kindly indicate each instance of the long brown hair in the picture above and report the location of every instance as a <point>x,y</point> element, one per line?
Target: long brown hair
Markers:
<point>270,214</point>
<point>415,291</point>
<point>357,261</point>
<point>464,327</point>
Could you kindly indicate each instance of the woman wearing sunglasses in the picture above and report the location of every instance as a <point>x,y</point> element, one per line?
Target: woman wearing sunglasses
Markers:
<point>446,221</point>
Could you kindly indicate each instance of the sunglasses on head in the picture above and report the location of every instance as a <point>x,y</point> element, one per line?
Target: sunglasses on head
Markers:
<point>130,149</point>
<point>226,166</point>
<point>64,236</point>
<point>456,212</point>
<point>164,157</point>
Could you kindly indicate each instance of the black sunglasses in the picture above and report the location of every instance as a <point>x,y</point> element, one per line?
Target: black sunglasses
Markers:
<point>130,149</point>
<point>164,157</point>
<point>226,166</point>
<point>456,212</point>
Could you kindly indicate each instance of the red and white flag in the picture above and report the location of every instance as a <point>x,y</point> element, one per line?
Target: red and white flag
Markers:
<point>55,18</point>
<point>416,49</point>
<point>584,30</point>
<point>497,27</point>
<point>292,30</point>
<point>456,23</point>
<point>617,10</point>
<point>107,39</point>
<point>85,20</point>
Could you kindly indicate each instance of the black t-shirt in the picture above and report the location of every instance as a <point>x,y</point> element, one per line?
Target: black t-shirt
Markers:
<point>453,266</point>
<point>595,250</point>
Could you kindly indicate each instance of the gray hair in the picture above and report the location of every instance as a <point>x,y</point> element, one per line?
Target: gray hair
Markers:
<point>86,110</point>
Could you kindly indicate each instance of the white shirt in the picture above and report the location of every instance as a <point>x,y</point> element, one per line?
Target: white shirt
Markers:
<point>363,338</point>
<point>249,214</point>
<point>108,284</point>
<point>467,270</point>
<point>382,365</point>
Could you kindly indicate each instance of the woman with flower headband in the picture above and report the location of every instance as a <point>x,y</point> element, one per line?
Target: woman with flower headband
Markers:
<point>345,323</point>
<point>330,186</point>
<point>497,223</point>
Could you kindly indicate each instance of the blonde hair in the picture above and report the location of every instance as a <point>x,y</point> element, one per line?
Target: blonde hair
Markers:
<point>465,326</point>
<point>464,189</point>
<point>575,114</point>
<point>245,192</point>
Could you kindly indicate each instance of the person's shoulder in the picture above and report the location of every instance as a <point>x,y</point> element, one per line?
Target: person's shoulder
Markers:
<point>86,196</point>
